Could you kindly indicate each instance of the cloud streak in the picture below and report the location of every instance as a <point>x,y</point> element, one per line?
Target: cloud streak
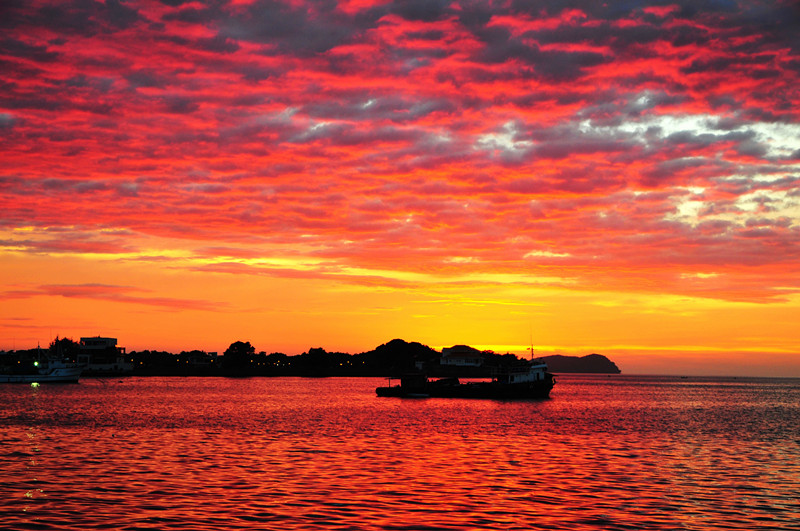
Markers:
<point>112,293</point>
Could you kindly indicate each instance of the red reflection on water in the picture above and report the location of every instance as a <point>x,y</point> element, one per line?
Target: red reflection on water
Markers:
<point>326,453</point>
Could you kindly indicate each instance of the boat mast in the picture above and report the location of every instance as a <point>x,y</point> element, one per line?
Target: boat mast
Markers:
<point>530,333</point>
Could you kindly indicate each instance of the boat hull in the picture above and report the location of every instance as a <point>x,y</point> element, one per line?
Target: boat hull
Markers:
<point>57,375</point>
<point>485,390</point>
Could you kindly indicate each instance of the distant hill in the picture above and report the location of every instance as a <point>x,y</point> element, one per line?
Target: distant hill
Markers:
<point>593,363</point>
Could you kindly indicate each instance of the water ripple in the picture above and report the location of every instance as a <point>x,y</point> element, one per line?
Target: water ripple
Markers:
<point>218,454</point>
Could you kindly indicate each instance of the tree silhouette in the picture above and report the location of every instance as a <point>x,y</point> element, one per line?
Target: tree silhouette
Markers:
<point>238,356</point>
<point>64,347</point>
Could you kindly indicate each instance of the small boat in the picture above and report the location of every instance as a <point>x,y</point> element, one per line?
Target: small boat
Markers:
<point>41,370</point>
<point>524,381</point>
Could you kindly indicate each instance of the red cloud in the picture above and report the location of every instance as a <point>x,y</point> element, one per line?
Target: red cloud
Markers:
<point>621,139</point>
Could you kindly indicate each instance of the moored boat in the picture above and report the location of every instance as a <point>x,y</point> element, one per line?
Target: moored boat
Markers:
<point>525,381</point>
<point>41,370</point>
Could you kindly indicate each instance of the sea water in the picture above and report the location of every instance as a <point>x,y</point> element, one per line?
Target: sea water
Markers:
<point>619,452</point>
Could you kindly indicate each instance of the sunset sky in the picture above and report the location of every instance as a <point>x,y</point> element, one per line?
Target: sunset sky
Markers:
<point>619,178</point>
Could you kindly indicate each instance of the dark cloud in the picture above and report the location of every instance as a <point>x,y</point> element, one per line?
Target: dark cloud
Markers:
<point>207,15</point>
<point>671,170</point>
<point>17,48</point>
<point>429,35</point>
<point>582,146</point>
<point>772,22</point>
<point>120,15</point>
<point>605,11</point>
<point>180,105</point>
<point>751,148</point>
<point>393,108</point>
<point>562,65</point>
<point>688,35</point>
<point>26,101</point>
<point>728,123</point>
<point>702,140</point>
<point>86,17</point>
<point>57,187</point>
<point>7,120</point>
<point>218,44</point>
<point>501,47</point>
<point>292,30</point>
<point>422,10</point>
<point>619,39</point>
<point>81,81</point>
<point>175,3</point>
<point>691,9</point>
<point>256,73</point>
<point>13,13</point>
<point>716,64</point>
<point>758,114</point>
<point>146,77</point>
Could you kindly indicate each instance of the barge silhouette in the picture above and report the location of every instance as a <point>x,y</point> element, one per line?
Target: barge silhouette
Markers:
<point>529,381</point>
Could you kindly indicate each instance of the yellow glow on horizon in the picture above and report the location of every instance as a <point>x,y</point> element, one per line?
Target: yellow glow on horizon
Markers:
<point>172,305</point>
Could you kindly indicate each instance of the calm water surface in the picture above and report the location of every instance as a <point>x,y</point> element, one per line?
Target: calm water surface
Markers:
<point>292,453</point>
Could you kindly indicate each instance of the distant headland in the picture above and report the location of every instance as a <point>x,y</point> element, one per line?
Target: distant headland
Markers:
<point>593,363</point>
<point>102,357</point>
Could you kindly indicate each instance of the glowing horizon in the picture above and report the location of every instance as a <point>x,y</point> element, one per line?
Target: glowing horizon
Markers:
<point>620,180</point>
